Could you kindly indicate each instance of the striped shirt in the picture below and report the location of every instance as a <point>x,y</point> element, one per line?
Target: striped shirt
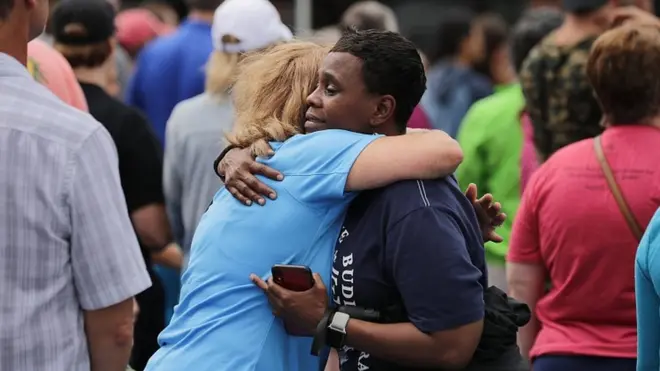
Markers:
<point>67,242</point>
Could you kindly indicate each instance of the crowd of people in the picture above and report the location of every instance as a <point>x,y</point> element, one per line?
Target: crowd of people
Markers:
<point>488,205</point>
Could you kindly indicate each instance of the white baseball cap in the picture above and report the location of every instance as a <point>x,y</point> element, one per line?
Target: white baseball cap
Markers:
<point>247,25</point>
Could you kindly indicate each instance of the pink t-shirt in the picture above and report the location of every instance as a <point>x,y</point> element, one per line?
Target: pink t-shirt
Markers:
<point>569,222</point>
<point>528,161</point>
<point>50,68</point>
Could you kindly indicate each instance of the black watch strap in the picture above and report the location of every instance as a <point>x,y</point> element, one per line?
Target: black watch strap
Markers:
<point>320,336</point>
<point>220,157</point>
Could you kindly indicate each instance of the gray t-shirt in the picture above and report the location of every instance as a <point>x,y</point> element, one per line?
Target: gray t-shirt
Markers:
<point>194,138</point>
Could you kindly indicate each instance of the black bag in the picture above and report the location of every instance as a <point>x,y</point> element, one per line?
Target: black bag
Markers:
<point>497,349</point>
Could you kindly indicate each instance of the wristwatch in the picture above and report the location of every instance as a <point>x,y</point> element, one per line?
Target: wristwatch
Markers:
<point>336,332</point>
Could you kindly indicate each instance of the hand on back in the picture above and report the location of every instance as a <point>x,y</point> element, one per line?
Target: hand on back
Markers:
<point>239,169</point>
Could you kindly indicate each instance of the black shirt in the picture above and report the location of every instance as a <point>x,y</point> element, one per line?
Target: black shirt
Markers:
<point>416,245</point>
<point>139,151</point>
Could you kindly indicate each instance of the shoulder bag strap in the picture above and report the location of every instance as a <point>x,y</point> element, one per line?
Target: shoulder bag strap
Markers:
<point>634,226</point>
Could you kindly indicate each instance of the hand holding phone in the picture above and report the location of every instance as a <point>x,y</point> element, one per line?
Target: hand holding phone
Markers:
<point>293,277</point>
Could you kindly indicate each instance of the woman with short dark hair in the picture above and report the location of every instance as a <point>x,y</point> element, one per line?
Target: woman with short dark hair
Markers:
<point>583,214</point>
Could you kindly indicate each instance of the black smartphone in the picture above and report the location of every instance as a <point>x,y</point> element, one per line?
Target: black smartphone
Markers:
<point>293,277</point>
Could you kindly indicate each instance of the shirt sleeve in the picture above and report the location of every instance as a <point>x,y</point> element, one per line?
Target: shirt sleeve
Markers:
<point>172,180</point>
<point>328,157</point>
<point>525,240</point>
<point>107,264</point>
<point>427,256</point>
<point>141,163</point>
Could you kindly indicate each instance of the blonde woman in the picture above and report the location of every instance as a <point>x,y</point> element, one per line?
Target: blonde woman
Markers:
<point>194,134</point>
<point>223,321</point>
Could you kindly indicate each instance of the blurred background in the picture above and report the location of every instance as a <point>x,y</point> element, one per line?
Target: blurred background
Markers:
<point>416,17</point>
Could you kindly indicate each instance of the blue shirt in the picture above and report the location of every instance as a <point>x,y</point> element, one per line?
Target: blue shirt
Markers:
<point>647,296</point>
<point>170,70</point>
<point>451,92</point>
<point>223,321</point>
<point>415,245</point>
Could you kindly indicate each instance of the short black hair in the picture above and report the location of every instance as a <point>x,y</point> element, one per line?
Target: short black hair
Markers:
<point>204,5</point>
<point>533,26</point>
<point>5,8</point>
<point>452,28</point>
<point>391,65</point>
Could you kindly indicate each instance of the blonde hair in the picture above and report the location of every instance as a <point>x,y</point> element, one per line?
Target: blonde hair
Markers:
<point>221,71</point>
<point>270,94</point>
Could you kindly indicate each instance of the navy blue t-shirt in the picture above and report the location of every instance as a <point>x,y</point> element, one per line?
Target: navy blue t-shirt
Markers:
<point>415,244</point>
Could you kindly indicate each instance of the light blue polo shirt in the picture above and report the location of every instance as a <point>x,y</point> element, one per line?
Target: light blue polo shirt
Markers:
<point>223,321</point>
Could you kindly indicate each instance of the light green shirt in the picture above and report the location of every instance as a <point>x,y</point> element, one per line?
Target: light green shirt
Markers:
<point>491,137</point>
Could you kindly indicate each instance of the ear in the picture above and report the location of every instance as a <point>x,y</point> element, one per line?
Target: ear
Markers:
<point>384,110</point>
<point>31,4</point>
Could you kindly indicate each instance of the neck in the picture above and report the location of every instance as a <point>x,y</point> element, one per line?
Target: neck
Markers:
<point>13,41</point>
<point>654,121</point>
<point>463,61</point>
<point>651,121</point>
<point>389,129</point>
<point>95,76</point>
<point>201,15</point>
<point>575,29</point>
<point>504,75</point>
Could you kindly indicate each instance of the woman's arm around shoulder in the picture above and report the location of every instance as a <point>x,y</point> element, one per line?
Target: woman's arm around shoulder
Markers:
<point>420,154</point>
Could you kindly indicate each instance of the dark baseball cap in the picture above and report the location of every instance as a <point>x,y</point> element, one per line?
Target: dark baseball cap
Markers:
<point>582,5</point>
<point>82,22</point>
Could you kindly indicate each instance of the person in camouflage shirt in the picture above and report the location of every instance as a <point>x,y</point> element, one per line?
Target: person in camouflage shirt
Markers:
<point>559,98</point>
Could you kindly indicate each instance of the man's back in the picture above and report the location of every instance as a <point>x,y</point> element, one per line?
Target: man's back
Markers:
<point>56,255</point>
<point>451,91</point>
<point>169,70</point>
<point>559,99</point>
<point>194,137</point>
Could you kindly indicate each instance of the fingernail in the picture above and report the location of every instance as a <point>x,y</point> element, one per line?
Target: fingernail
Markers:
<point>248,203</point>
<point>280,177</point>
<point>272,196</point>
<point>262,202</point>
